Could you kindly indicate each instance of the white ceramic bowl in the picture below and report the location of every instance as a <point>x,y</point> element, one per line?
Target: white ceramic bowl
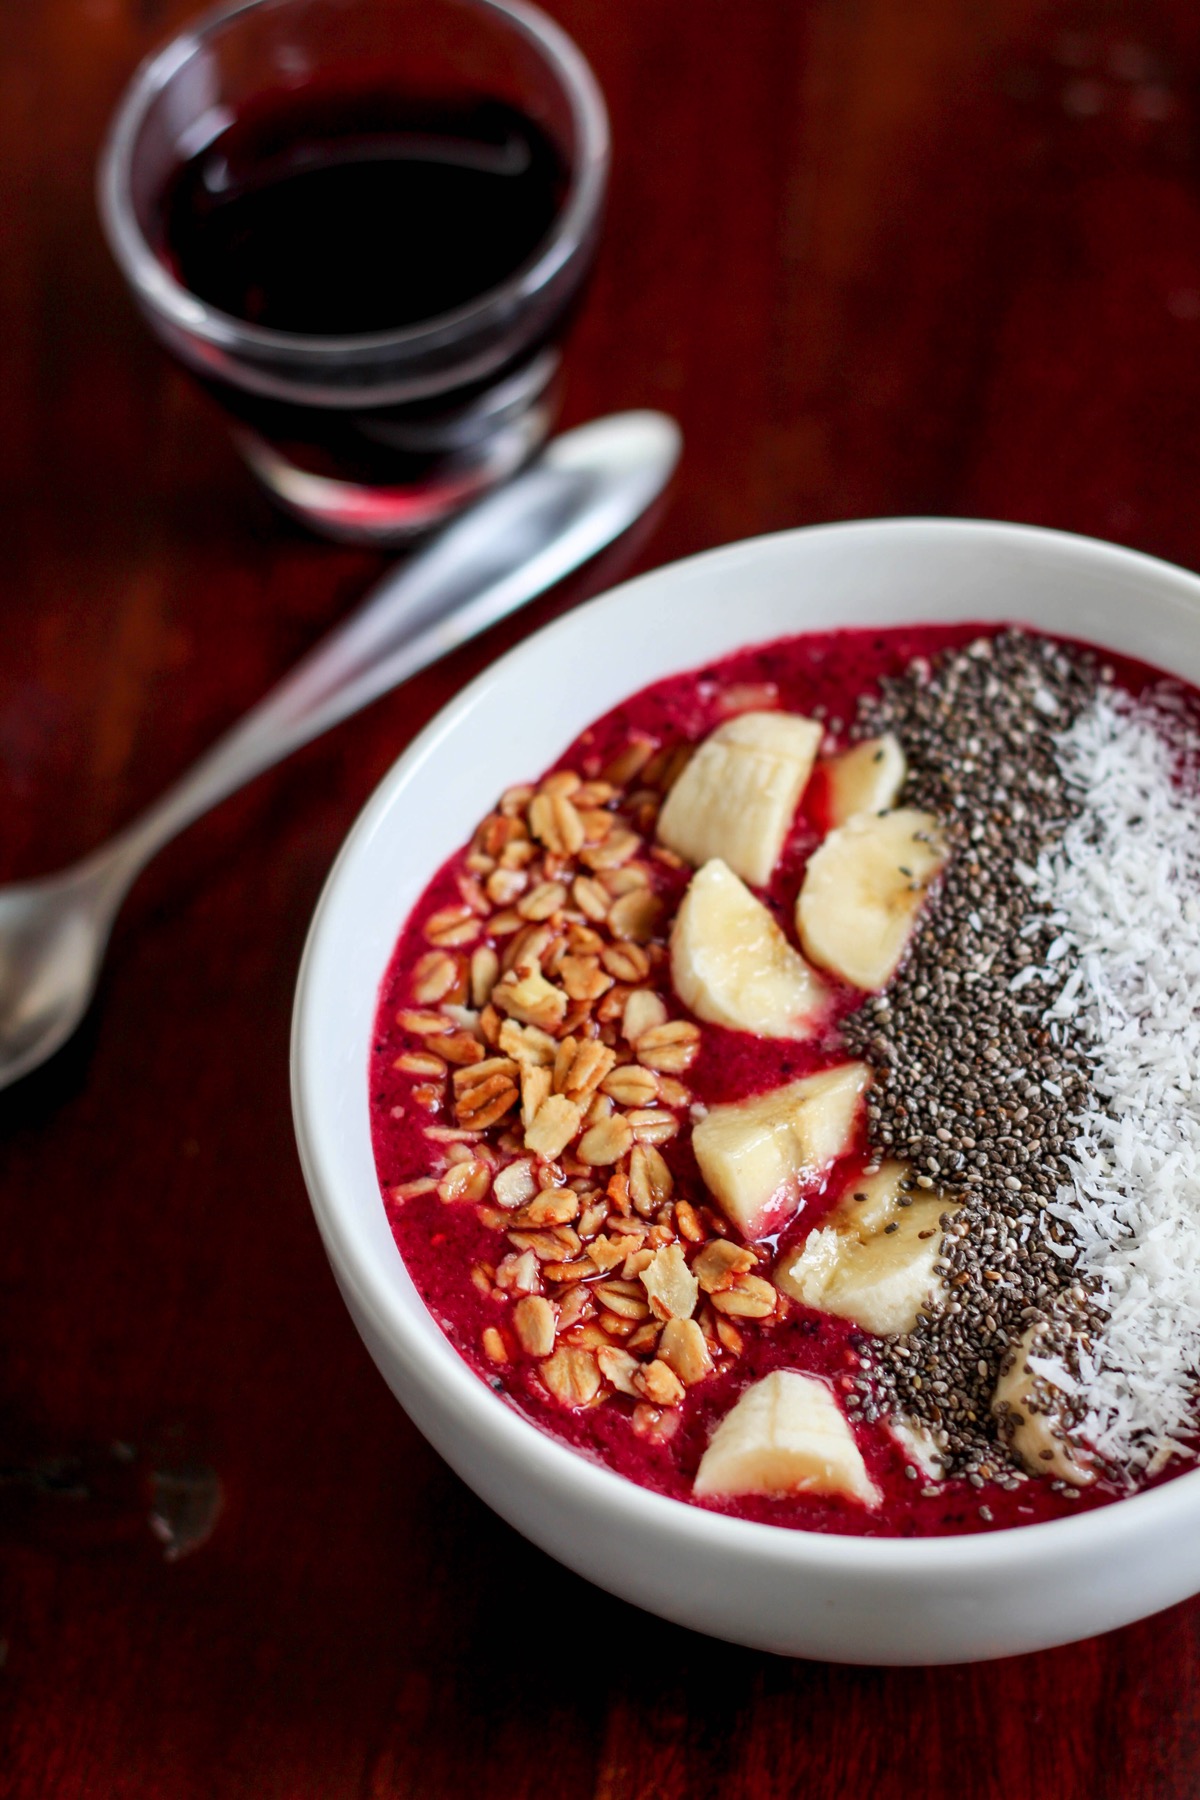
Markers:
<point>801,1593</point>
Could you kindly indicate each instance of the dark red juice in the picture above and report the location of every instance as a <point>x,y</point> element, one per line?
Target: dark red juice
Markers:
<point>343,212</point>
<point>331,215</point>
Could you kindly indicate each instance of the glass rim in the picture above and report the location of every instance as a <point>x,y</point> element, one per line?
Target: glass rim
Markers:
<point>158,289</point>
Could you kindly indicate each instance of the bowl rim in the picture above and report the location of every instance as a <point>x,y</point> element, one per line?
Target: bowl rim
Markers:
<point>493,1422</point>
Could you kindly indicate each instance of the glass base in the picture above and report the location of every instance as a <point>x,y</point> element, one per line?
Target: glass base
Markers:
<point>355,513</point>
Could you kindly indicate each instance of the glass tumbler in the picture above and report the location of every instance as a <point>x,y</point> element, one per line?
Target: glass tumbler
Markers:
<point>369,436</point>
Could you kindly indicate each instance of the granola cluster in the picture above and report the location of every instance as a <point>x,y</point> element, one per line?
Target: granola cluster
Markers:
<point>542,1047</point>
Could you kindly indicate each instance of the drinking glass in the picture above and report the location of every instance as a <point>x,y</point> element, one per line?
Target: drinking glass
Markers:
<point>377,435</point>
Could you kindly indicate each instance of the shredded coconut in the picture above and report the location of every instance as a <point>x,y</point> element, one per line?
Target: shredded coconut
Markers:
<point>1125,886</point>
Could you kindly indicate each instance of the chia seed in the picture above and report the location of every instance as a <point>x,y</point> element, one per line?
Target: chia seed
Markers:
<point>968,1085</point>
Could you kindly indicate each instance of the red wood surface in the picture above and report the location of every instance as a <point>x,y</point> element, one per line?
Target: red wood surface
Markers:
<point>878,256</point>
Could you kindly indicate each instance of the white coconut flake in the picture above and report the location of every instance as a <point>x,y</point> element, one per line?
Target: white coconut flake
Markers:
<point>1124,883</point>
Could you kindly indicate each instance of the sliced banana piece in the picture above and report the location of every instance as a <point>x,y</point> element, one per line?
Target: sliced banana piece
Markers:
<point>862,891</point>
<point>1036,1434</point>
<point>756,1156</point>
<point>867,778</point>
<point>785,1435</point>
<point>919,1446</point>
<point>738,795</point>
<point>732,965</point>
<point>872,1261</point>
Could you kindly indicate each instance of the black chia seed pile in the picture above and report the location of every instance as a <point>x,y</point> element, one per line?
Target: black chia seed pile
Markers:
<point>970,1089</point>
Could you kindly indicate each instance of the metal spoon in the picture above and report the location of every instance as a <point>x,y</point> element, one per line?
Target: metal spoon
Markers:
<point>590,485</point>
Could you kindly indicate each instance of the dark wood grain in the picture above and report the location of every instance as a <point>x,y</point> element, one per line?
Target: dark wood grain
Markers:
<point>940,256</point>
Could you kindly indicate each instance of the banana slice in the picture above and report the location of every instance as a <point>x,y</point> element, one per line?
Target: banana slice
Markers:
<point>738,795</point>
<point>872,1260</point>
<point>756,1156</point>
<point>1034,1432</point>
<point>920,1447</point>
<point>785,1435</point>
<point>865,779</point>
<point>732,965</point>
<point>862,891</point>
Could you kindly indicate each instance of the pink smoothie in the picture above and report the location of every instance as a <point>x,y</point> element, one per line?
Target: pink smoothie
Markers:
<point>440,1243</point>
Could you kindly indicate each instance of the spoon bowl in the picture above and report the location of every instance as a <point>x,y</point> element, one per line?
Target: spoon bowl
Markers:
<point>585,491</point>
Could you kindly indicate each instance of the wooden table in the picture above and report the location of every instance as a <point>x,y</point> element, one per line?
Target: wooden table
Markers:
<point>939,256</point>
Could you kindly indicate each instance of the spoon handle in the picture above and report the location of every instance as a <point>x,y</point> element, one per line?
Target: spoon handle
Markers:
<point>589,487</point>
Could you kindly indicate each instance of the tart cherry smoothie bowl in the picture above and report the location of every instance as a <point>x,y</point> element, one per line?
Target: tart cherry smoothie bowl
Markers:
<point>778,1091</point>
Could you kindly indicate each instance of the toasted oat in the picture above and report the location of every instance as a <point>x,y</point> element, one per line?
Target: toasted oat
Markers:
<point>533,1322</point>
<point>504,886</point>
<point>429,1097</point>
<point>673,1093</point>
<point>625,1298</point>
<point>422,1023</point>
<point>554,1244</point>
<point>644,1011</point>
<point>650,1181</point>
<point>543,901</point>
<point>671,1288</point>
<point>600,1107</point>
<point>688,1222</point>
<point>653,1424</point>
<point>720,1263</point>
<point>629,761</point>
<point>590,1062</point>
<point>461,1047</point>
<point>574,1305</point>
<point>555,823</point>
<point>631,1085</point>
<point>669,1048</point>
<point>553,1206</point>
<point>485,1092</point>
<point>652,1125</point>
<point>533,944</point>
<point>527,1045</point>
<point>577,1269</point>
<point>452,925</point>
<point>731,1338</point>
<point>583,978</point>
<point>435,976</point>
<point>531,999</point>
<point>419,1062</point>
<point>635,915</point>
<point>519,1273</point>
<point>572,1376</point>
<point>626,962</point>
<point>592,1218</point>
<point>556,1122</point>
<point>605,1142</point>
<point>465,1181</point>
<point>515,799</point>
<point>494,1347</point>
<point>618,848</point>
<point>750,1298</point>
<point>515,1185</point>
<point>536,1084</point>
<point>638,1259</point>
<point>606,1254</point>
<point>644,1341</point>
<point>660,1384</point>
<point>683,1349</point>
<point>590,897</point>
<point>618,1369</point>
<point>485,968</point>
<point>412,1190</point>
